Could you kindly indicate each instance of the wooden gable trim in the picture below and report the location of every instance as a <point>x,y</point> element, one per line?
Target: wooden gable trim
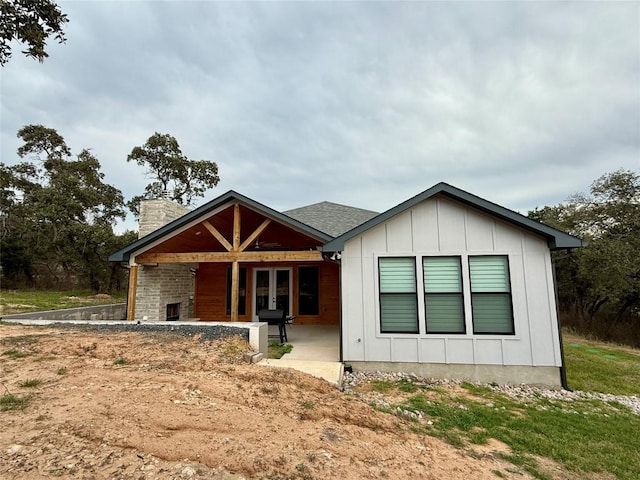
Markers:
<point>255,234</point>
<point>235,254</point>
<point>228,257</point>
<point>218,236</point>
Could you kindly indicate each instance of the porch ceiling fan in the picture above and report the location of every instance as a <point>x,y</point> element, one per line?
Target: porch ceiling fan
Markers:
<point>265,245</point>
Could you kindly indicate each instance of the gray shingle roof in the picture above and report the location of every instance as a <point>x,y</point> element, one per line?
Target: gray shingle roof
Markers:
<point>331,218</point>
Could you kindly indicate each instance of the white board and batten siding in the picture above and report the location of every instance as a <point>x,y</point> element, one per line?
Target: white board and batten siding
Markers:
<point>441,226</point>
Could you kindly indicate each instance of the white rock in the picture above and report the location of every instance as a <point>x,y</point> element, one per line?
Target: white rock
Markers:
<point>15,450</point>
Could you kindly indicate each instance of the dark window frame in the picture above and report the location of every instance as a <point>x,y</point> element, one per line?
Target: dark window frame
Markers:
<point>509,293</point>
<point>414,293</point>
<point>458,294</point>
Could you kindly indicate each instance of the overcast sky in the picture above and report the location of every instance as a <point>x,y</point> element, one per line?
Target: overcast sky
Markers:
<point>361,103</point>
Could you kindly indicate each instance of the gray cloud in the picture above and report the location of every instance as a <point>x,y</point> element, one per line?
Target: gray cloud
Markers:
<point>360,103</point>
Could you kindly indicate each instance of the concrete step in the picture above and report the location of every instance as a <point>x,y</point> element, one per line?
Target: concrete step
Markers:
<point>330,371</point>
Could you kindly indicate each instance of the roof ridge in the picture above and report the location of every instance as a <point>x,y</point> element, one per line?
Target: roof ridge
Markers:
<point>329,203</point>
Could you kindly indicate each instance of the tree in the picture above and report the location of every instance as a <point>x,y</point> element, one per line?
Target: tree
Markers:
<point>30,22</point>
<point>173,174</point>
<point>57,214</point>
<point>604,275</point>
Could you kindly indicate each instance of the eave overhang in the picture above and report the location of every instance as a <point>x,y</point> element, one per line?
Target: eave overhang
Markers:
<point>556,239</point>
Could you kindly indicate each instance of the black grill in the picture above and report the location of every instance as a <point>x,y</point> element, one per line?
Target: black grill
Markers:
<point>275,317</point>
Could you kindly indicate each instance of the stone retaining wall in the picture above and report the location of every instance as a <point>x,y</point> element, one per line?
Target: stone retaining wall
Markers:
<point>255,333</point>
<point>115,311</point>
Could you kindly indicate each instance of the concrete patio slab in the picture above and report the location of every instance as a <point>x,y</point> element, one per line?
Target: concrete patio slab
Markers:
<point>330,371</point>
<point>312,342</point>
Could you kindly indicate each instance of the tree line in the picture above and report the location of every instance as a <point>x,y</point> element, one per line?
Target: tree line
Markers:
<point>599,285</point>
<point>57,216</point>
<point>57,213</point>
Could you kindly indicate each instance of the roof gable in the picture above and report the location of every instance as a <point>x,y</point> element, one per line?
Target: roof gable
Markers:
<point>331,218</point>
<point>202,212</point>
<point>556,239</point>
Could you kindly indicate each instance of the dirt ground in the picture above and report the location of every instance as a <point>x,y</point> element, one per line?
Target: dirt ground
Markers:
<point>143,406</point>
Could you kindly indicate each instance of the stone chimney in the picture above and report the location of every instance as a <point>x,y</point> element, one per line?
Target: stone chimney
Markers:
<point>164,291</point>
<point>156,213</point>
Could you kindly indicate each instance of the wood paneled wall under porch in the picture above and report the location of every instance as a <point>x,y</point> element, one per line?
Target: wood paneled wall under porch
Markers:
<point>211,292</point>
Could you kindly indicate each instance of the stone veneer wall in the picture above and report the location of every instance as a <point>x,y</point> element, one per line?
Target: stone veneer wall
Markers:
<point>161,285</point>
<point>165,283</point>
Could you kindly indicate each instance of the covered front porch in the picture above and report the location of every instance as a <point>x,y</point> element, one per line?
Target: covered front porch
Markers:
<point>228,262</point>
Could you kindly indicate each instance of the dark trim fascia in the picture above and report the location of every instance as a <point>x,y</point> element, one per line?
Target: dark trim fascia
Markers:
<point>124,254</point>
<point>556,239</point>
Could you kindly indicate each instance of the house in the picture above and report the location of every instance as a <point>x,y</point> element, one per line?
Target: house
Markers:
<point>445,284</point>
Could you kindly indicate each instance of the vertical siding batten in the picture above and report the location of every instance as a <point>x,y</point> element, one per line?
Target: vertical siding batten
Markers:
<point>362,337</point>
<point>525,289</point>
<point>413,243</point>
<point>544,342</point>
<point>553,312</point>
<point>437,202</point>
<point>468,318</point>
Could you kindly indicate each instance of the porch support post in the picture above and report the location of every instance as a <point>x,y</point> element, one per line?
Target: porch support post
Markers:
<point>131,295</point>
<point>235,266</point>
<point>235,289</point>
<point>236,228</point>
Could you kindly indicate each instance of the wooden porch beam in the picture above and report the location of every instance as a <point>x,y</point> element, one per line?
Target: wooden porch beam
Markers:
<point>235,290</point>
<point>228,257</point>
<point>214,231</point>
<point>254,235</point>
<point>236,227</point>
<point>131,294</point>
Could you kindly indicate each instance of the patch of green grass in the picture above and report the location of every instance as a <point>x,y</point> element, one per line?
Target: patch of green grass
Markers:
<point>62,370</point>
<point>584,436</point>
<point>382,386</point>
<point>308,405</point>
<point>14,402</point>
<point>476,389</point>
<point>599,367</point>
<point>526,463</point>
<point>402,385</point>
<point>277,350</point>
<point>120,361</point>
<point>14,354</point>
<point>407,386</point>
<point>21,301</point>
<point>30,383</point>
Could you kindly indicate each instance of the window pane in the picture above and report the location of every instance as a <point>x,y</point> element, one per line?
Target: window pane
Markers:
<point>489,274</point>
<point>308,291</point>
<point>492,313</point>
<point>282,290</point>
<point>442,274</point>
<point>444,313</point>
<point>397,275</point>
<point>399,313</point>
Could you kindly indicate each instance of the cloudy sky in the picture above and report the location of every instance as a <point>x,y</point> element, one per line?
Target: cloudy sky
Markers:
<point>361,103</point>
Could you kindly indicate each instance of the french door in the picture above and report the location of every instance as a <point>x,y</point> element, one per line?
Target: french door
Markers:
<point>272,287</point>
